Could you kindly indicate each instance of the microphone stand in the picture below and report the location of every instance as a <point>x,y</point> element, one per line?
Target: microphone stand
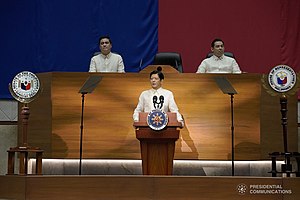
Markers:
<point>227,88</point>
<point>81,130</point>
<point>88,87</point>
<point>232,134</point>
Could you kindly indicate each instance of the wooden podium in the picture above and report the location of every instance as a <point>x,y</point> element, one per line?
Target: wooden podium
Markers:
<point>157,147</point>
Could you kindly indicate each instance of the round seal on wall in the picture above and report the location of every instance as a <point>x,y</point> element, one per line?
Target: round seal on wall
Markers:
<point>25,86</point>
<point>157,119</point>
<point>282,78</point>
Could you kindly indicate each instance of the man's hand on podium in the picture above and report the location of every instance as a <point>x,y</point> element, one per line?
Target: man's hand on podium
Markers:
<point>181,124</point>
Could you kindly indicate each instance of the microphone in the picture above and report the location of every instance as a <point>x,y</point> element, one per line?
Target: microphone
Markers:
<point>154,101</point>
<point>161,101</point>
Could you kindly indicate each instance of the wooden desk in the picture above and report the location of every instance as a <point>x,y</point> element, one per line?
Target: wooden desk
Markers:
<point>108,132</point>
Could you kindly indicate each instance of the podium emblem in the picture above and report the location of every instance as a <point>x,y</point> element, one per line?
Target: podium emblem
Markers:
<point>157,119</point>
<point>282,78</point>
<point>24,86</point>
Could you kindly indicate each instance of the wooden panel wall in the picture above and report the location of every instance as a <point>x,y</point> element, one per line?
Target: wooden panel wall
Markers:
<point>108,126</point>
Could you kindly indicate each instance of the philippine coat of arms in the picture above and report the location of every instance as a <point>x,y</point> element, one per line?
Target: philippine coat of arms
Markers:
<point>157,119</point>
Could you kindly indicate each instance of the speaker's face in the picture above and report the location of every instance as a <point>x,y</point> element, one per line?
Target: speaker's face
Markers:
<point>155,81</point>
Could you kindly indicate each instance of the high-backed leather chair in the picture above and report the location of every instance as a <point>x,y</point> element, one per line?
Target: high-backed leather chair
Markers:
<point>169,58</point>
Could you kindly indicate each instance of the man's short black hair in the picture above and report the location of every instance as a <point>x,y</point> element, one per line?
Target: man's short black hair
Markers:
<point>105,37</point>
<point>158,72</point>
<point>216,40</point>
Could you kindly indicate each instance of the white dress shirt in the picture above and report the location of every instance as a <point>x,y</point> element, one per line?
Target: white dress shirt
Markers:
<point>110,63</point>
<point>145,103</point>
<point>214,64</point>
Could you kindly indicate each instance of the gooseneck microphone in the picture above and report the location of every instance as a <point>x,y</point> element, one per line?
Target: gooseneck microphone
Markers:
<point>154,101</point>
<point>158,104</point>
<point>161,101</point>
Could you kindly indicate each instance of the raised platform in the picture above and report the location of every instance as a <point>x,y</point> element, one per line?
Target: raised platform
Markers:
<point>148,187</point>
<point>134,167</point>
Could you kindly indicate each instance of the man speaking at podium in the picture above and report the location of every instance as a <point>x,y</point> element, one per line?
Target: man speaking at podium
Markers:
<point>157,98</point>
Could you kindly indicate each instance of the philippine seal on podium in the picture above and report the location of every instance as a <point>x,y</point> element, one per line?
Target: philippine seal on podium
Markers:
<point>157,119</point>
